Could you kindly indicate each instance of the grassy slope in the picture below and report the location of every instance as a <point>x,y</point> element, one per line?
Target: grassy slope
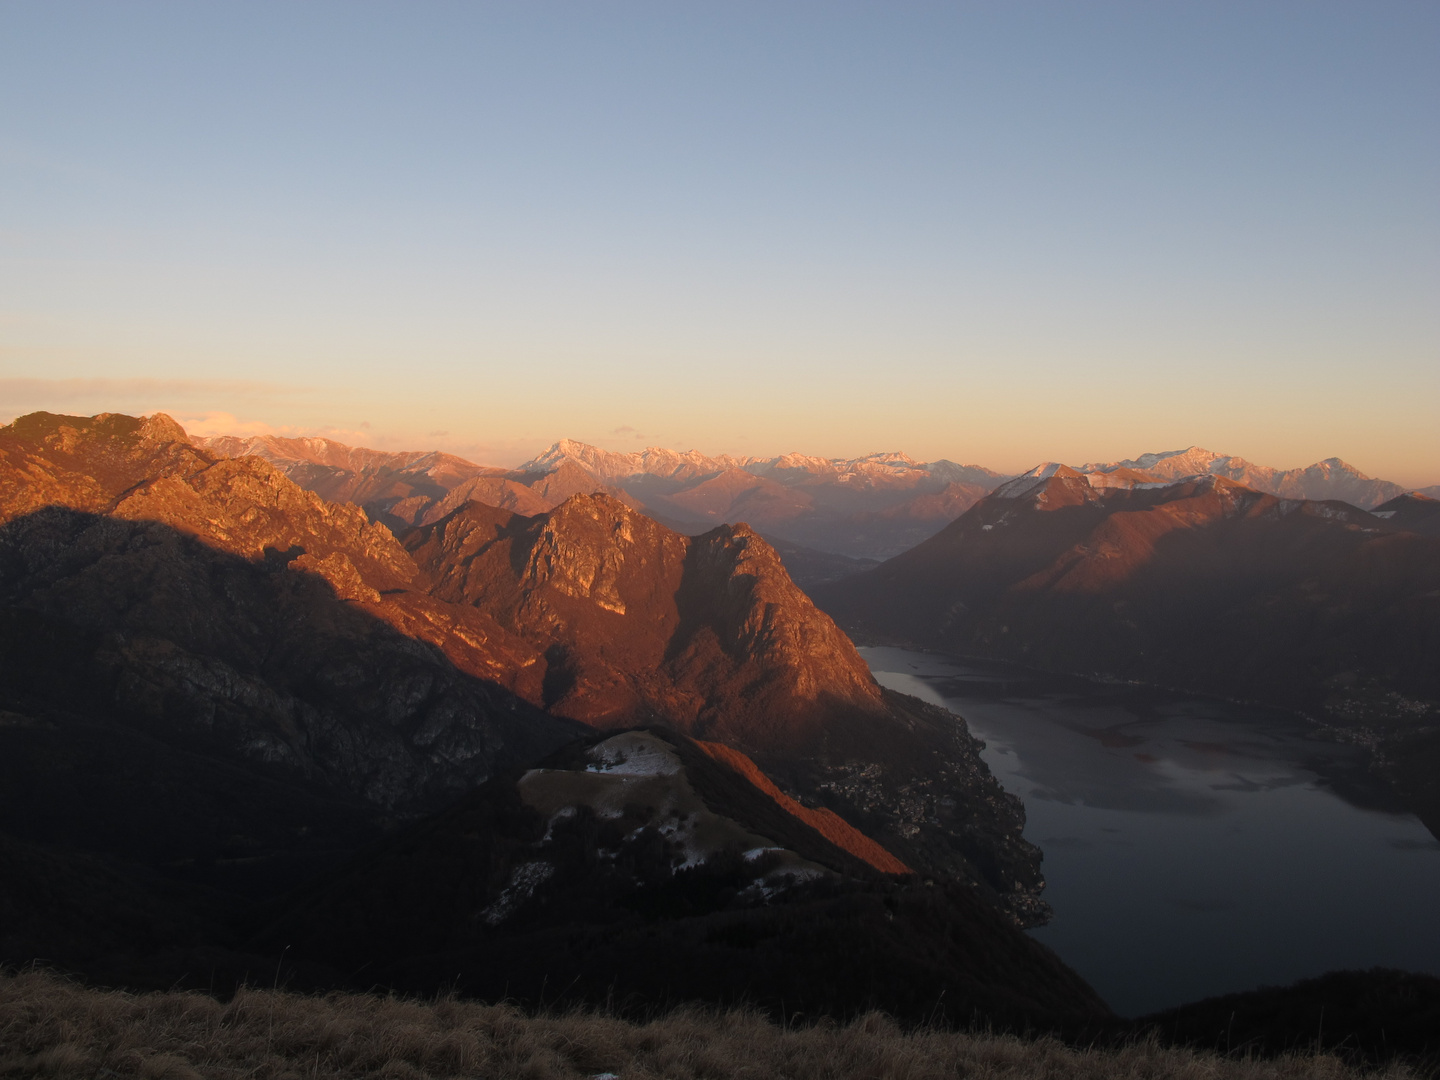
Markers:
<point>52,1027</point>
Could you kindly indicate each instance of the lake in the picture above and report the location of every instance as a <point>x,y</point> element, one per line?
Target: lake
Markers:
<point>1193,847</point>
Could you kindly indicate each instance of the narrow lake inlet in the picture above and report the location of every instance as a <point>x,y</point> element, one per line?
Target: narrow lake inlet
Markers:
<point>1193,847</point>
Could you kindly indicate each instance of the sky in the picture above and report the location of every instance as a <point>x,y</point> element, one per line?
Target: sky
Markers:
<point>995,233</point>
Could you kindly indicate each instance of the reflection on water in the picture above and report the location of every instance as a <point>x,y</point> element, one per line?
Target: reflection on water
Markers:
<point>1193,847</point>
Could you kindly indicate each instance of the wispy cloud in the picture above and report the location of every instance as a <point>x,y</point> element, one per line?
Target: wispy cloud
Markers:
<point>206,424</point>
<point>30,392</point>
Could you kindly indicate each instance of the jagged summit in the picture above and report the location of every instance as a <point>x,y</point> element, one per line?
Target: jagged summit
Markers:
<point>659,462</point>
<point>636,620</point>
<point>1171,464</point>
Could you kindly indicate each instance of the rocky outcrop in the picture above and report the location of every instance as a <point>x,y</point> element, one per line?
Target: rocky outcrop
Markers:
<point>635,620</point>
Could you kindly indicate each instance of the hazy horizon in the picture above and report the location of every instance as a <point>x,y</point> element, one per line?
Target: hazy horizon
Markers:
<point>994,235</point>
<point>213,425</point>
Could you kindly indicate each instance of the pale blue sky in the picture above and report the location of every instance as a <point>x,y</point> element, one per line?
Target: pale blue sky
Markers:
<point>999,232</point>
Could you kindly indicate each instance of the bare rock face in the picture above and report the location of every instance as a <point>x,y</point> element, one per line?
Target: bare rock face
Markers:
<point>637,621</point>
<point>144,469</point>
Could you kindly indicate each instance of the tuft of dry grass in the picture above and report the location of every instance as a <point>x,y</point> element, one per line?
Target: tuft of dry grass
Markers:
<point>52,1027</point>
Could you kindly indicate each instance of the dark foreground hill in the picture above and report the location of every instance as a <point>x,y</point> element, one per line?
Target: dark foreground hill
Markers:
<point>1204,584</point>
<point>649,868</point>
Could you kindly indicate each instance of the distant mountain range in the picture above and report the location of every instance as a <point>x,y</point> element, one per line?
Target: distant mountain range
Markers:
<point>867,508</point>
<point>1328,479</point>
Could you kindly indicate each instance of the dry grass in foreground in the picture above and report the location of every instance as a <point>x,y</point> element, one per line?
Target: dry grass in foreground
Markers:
<point>51,1027</point>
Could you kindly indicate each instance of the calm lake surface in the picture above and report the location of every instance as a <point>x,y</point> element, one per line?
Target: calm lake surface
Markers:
<point>1193,847</point>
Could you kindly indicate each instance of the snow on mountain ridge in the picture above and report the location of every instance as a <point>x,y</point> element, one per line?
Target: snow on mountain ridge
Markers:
<point>670,464</point>
<point>1331,478</point>
<point>316,450</point>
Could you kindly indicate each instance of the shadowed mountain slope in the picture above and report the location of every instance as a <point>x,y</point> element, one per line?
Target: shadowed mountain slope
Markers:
<point>214,685</point>
<point>1411,512</point>
<point>151,591</point>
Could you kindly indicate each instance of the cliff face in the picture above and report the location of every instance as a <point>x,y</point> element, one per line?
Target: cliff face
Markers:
<point>635,620</point>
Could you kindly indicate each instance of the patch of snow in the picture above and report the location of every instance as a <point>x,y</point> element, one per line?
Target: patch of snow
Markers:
<point>1029,483</point>
<point>756,852</point>
<point>565,813</point>
<point>633,753</point>
<point>1106,480</point>
<point>778,881</point>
